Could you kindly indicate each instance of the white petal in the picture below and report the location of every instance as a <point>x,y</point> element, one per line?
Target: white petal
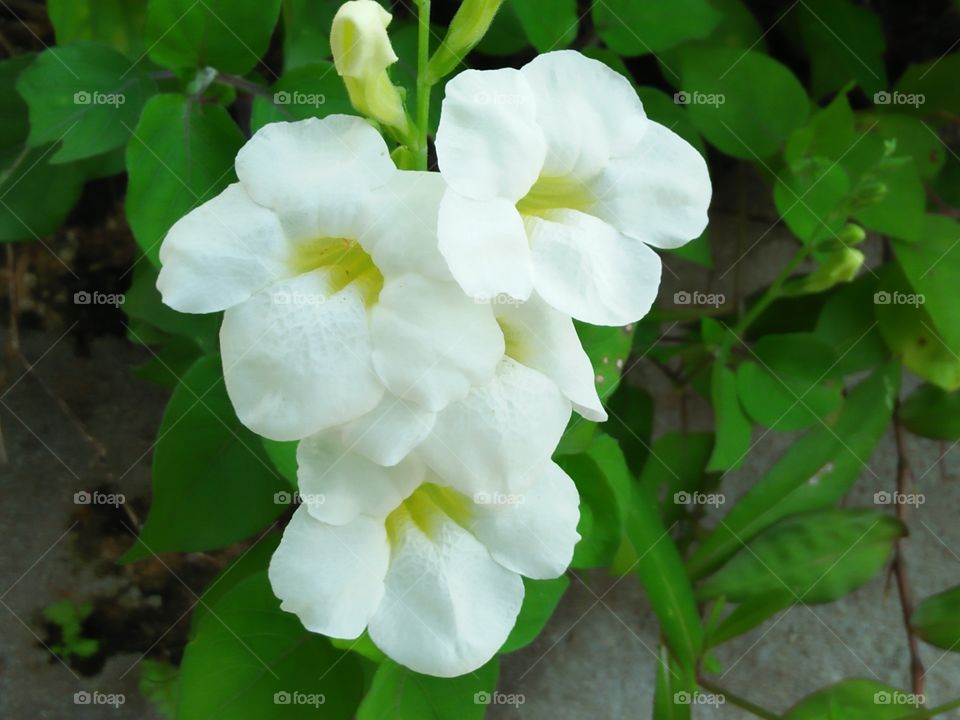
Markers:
<point>297,360</point>
<point>389,432</point>
<point>659,193</point>
<point>501,432</point>
<point>545,339</point>
<point>337,484</point>
<point>585,268</point>
<point>221,253</point>
<point>589,113</point>
<point>402,236</point>
<point>449,606</point>
<point>431,343</point>
<point>488,141</point>
<point>315,172</point>
<point>485,245</point>
<point>533,532</point>
<point>331,576</point>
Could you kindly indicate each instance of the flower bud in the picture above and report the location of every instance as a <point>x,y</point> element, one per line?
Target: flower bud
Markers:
<point>362,53</point>
<point>466,29</point>
<point>840,266</point>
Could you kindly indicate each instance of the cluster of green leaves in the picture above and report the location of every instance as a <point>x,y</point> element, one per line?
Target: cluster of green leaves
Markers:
<point>166,91</point>
<point>68,618</point>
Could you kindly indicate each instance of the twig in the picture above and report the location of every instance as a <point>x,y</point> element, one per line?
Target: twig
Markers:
<point>904,479</point>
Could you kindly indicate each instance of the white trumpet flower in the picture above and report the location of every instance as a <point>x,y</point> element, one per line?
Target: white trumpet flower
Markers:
<point>432,574</point>
<point>560,184</point>
<point>324,257</point>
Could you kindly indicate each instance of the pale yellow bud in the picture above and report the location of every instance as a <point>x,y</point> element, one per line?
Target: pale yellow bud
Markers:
<point>361,54</point>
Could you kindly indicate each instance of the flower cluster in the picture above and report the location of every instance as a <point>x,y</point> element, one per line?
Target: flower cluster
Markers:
<point>359,321</point>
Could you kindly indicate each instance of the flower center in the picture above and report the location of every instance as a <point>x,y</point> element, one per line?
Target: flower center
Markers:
<point>343,262</point>
<point>556,193</point>
<point>425,507</point>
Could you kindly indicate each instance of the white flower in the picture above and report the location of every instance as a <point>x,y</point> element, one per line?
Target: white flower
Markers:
<point>559,184</point>
<point>489,440</point>
<point>433,574</point>
<point>324,257</point>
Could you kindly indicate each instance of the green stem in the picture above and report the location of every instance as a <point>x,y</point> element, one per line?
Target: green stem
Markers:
<point>423,85</point>
<point>772,293</point>
<point>738,701</point>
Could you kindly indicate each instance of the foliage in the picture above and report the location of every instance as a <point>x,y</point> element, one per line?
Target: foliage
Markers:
<point>169,89</point>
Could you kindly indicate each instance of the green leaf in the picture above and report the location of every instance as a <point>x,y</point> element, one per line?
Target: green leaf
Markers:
<point>160,684</point>
<point>306,32</point>
<point>283,455</point>
<point>813,473</point>
<point>743,102</point>
<point>313,90</point>
<point>931,412</point>
<point>401,694</point>
<point>933,268</point>
<point>809,197</point>
<point>733,429</point>
<point>786,389</point>
<point>914,138</point>
<point>505,36</point>
<point>844,42</point>
<point>638,27</point>
<point>676,464</point>
<point>143,302</point>
<point>937,619</point>
<point>180,156</point>
<point>35,197</point>
<point>116,23</point>
<point>847,324</point>
<point>668,684</point>
<point>549,26</point>
<point>829,133</point>
<point>819,557</point>
<point>600,520</point>
<point>663,109</point>
<point>252,561</point>
<point>934,83</point>
<point>607,348</point>
<point>227,35</point>
<point>540,599</point>
<point>250,660</point>
<point>630,421</point>
<point>855,699</point>
<point>212,481</point>
<point>891,196</point>
<point>747,615</point>
<point>909,330</point>
<point>87,97</point>
<point>665,580</point>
